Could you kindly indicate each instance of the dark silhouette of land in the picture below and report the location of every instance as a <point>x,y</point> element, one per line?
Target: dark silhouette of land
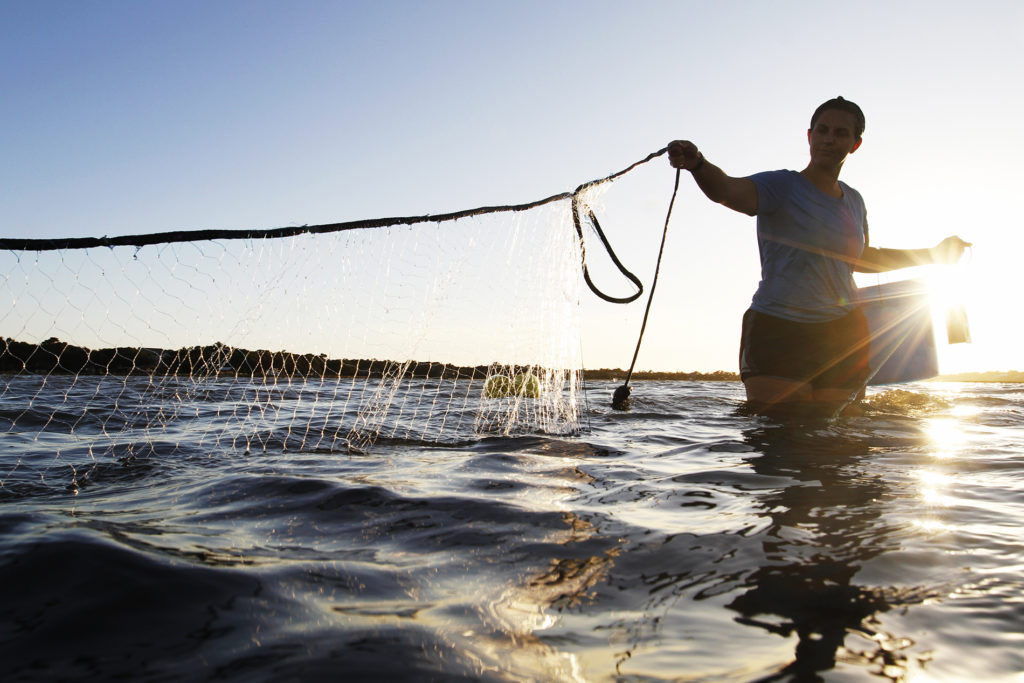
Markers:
<point>54,356</point>
<point>653,375</point>
<point>990,376</point>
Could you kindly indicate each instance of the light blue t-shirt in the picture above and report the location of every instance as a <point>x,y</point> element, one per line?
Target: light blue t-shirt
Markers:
<point>804,235</point>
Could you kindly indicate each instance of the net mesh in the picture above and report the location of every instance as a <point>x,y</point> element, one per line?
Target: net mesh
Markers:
<point>437,333</point>
<point>325,339</point>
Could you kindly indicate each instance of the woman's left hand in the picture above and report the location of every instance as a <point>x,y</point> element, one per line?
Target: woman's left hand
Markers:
<point>949,250</point>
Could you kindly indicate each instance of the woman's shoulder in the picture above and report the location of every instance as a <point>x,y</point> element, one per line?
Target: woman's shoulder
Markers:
<point>851,193</point>
<point>774,188</point>
<point>778,174</point>
<point>777,179</point>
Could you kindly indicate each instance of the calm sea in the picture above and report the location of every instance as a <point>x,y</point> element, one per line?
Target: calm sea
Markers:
<point>683,540</point>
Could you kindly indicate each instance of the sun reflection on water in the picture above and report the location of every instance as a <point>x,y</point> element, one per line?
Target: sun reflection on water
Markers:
<point>946,440</point>
<point>946,435</point>
<point>934,487</point>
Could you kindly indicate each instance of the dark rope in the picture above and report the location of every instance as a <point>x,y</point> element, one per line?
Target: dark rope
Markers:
<point>271,233</point>
<point>21,244</point>
<point>620,399</point>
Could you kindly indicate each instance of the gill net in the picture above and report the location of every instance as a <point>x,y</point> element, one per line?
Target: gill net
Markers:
<point>330,338</point>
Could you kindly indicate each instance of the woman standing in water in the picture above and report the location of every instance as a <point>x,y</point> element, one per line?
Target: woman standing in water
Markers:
<point>804,340</point>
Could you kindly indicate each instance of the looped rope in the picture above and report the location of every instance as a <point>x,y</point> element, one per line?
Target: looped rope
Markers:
<point>611,253</point>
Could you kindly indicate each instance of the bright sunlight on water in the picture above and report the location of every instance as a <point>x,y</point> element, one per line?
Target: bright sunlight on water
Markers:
<point>682,540</point>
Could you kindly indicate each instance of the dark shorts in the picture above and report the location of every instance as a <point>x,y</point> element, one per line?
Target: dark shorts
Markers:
<point>829,355</point>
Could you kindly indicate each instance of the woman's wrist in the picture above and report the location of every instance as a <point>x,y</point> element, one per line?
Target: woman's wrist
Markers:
<point>700,162</point>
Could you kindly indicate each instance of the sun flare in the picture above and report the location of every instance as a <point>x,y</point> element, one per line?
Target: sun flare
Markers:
<point>946,436</point>
<point>954,310</point>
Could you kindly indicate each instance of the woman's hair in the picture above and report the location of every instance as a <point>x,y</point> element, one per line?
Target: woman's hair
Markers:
<point>842,105</point>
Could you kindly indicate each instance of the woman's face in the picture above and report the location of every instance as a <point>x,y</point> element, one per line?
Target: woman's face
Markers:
<point>833,137</point>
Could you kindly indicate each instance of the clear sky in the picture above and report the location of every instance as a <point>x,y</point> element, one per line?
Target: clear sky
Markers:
<point>135,117</point>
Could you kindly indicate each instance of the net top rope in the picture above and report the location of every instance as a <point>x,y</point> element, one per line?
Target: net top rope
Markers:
<point>54,244</point>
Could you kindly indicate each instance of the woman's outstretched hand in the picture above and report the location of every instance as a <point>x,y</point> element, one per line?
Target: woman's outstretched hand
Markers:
<point>949,250</point>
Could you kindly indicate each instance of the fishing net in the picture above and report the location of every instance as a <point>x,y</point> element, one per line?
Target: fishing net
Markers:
<point>433,329</point>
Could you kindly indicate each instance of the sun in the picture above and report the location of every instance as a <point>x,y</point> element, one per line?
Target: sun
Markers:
<point>953,312</point>
<point>949,308</point>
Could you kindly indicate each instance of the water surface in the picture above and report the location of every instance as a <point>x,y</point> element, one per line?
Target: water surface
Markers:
<point>682,540</point>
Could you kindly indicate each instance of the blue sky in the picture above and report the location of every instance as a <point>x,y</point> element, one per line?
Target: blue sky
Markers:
<point>135,117</point>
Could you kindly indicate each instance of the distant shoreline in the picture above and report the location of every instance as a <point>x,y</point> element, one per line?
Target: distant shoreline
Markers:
<point>56,357</point>
<point>655,375</point>
<point>992,376</point>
